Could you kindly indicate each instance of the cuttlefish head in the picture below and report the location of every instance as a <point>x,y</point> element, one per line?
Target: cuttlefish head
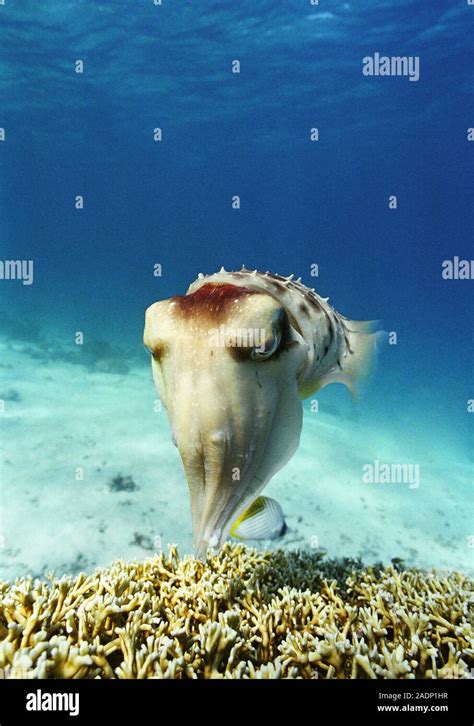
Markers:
<point>225,362</point>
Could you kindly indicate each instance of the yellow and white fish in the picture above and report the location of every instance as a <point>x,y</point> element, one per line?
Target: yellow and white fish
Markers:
<point>232,360</point>
<point>262,520</point>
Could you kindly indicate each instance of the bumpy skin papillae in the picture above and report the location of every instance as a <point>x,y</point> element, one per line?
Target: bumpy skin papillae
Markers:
<point>235,407</point>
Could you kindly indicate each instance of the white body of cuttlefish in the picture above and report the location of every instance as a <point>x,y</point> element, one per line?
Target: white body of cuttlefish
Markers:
<point>232,360</point>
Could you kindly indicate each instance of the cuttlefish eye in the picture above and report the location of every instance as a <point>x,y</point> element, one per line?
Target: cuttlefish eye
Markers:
<point>270,347</point>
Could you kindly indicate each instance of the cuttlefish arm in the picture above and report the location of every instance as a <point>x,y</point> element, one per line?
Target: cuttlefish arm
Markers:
<point>231,361</point>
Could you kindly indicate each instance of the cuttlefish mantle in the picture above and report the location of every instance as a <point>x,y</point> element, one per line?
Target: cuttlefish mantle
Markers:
<point>232,360</point>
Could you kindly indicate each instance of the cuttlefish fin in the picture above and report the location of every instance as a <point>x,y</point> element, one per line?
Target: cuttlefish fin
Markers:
<point>359,358</point>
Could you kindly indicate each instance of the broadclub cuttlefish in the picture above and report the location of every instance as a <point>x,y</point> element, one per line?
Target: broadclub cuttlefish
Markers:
<point>232,360</point>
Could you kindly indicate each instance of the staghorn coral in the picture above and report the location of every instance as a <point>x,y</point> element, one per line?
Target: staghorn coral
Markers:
<point>242,614</point>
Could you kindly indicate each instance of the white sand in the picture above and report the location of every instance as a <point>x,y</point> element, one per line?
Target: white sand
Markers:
<point>69,417</point>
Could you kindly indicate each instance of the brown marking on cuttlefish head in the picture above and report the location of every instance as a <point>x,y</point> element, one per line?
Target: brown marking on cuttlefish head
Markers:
<point>212,301</point>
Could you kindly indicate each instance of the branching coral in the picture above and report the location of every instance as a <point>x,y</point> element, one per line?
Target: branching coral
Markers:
<point>242,614</point>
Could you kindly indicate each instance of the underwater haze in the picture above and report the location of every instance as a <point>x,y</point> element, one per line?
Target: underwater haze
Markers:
<point>145,142</point>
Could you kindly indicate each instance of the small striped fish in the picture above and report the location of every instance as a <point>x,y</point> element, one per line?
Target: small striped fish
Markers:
<point>262,520</point>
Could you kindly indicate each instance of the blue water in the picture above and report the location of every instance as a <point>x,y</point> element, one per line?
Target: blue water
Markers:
<point>246,134</point>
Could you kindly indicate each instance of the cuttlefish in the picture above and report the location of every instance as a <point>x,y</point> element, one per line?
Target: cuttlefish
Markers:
<point>232,360</point>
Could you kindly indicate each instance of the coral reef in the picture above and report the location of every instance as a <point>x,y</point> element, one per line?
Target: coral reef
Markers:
<point>241,614</point>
